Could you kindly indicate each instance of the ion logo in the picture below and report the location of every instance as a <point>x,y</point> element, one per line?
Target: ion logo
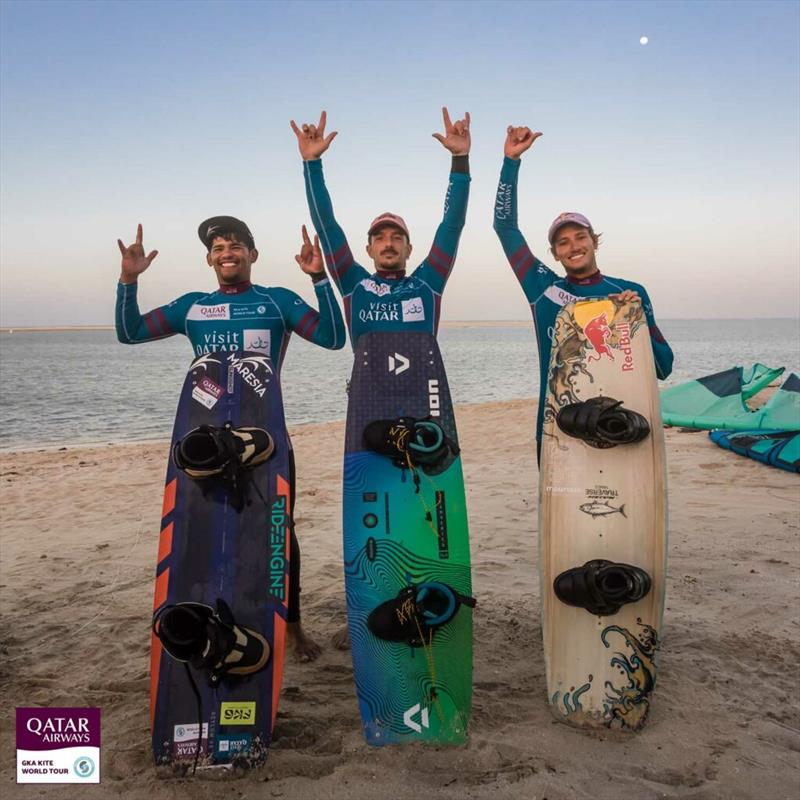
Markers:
<point>398,363</point>
<point>408,718</point>
<point>433,397</point>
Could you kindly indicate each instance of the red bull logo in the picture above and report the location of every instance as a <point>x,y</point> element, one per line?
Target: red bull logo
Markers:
<point>624,331</point>
<point>598,333</point>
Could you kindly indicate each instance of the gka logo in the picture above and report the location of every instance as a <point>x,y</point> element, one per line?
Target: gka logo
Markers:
<point>433,397</point>
<point>408,718</point>
<point>398,363</point>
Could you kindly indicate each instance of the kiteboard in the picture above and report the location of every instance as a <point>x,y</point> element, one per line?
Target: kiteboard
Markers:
<point>406,545</point>
<point>603,517</point>
<point>223,558</point>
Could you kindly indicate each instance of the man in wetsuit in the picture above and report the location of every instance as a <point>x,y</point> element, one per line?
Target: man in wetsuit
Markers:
<point>238,316</point>
<point>388,299</point>
<point>573,243</point>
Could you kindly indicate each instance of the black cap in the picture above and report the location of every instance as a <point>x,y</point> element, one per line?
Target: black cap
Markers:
<point>222,226</point>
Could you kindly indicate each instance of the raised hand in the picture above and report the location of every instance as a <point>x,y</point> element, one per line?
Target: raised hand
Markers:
<point>134,261</point>
<point>311,139</point>
<point>456,136</point>
<point>310,258</point>
<point>518,140</point>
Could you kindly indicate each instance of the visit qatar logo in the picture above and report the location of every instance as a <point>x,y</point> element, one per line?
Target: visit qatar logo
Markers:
<point>58,745</point>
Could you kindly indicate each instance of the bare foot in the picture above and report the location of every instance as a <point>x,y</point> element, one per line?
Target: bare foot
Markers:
<point>341,639</point>
<point>305,648</point>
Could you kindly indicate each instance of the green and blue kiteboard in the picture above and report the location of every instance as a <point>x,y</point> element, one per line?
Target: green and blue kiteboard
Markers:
<point>406,549</point>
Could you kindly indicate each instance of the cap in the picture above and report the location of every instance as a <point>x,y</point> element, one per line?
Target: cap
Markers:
<point>566,218</point>
<point>219,226</point>
<point>388,218</point>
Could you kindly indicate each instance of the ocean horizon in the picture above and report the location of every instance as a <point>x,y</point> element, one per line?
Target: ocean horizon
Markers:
<point>79,385</point>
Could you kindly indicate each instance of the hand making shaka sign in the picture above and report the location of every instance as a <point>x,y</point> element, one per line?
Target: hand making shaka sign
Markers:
<point>456,135</point>
<point>311,139</point>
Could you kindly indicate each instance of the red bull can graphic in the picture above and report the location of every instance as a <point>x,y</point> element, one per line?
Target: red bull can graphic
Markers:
<point>598,333</point>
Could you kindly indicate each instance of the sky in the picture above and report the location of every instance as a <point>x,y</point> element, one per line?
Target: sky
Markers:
<point>684,152</point>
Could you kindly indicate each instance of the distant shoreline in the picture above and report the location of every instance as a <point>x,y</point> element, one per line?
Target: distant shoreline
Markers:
<point>455,323</point>
<point>478,323</point>
<point>55,328</point>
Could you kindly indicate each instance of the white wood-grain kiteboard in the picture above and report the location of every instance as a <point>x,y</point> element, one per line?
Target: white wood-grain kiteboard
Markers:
<point>602,517</point>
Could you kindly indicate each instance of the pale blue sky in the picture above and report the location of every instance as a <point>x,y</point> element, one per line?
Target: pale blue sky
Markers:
<point>685,152</point>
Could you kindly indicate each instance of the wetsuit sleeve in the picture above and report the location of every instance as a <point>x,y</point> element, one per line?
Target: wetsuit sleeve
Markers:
<point>436,268</point>
<point>343,268</point>
<point>532,274</point>
<point>326,327</point>
<point>134,327</point>
<point>662,352</point>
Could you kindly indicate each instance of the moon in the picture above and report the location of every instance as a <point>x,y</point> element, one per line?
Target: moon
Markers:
<point>643,40</point>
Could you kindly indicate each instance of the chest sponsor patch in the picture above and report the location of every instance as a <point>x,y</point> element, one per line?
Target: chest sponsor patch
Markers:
<point>379,289</point>
<point>560,296</point>
<point>198,312</point>
<point>257,340</point>
<point>413,310</point>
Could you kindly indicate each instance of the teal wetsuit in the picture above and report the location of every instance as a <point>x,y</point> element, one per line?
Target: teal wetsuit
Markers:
<point>237,317</point>
<point>240,317</point>
<point>386,301</point>
<point>547,292</point>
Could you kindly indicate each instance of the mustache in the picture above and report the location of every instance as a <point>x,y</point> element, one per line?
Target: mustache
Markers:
<point>389,252</point>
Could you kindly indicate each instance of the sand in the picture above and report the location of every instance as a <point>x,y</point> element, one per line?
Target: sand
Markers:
<point>79,536</point>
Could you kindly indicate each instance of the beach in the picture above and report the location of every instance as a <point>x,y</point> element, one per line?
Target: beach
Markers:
<point>80,531</point>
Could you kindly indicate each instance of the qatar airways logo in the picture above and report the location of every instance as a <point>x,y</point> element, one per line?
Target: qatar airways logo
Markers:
<point>221,311</point>
<point>502,204</point>
<point>58,745</point>
<point>60,730</point>
<point>559,296</point>
<point>447,197</point>
<point>379,289</point>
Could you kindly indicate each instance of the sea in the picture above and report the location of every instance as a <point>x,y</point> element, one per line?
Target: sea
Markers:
<point>66,388</point>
